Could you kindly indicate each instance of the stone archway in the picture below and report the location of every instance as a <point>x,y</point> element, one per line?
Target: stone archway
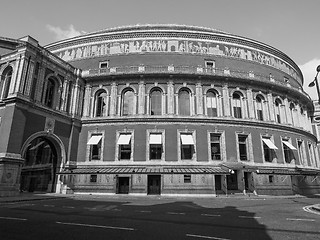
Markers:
<point>43,154</point>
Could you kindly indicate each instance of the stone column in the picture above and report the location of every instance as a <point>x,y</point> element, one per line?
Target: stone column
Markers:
<point>113,99</point>
<point>141,97</point>
<point>226,100</point>
<point>271,107</point>
<point>250,101</point>
<point>87,98</point>
<point>287,111</point>
<point>170,97</point>
<point>199,99</point>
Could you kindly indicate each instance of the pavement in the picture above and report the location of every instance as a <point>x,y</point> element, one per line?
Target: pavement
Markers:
<point>26,196</point>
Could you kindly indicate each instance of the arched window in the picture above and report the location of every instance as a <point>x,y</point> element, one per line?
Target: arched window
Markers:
<point>292,112</point>
<point>39,170</point>
<point>237,111</point>
<point>5,82</point>
<point>156,102</point>
<point>212,104</point>
<point>259,103</point>
<point>101,103</point>
<point>128,103</point>
<point>278,110</point>
<point>50,91</point>
<point>184,102</point>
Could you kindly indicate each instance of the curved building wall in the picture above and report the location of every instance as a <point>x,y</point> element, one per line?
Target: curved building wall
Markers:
<point>174,109</point>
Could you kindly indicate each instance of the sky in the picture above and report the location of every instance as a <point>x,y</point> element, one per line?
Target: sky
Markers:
<point>292,26</point>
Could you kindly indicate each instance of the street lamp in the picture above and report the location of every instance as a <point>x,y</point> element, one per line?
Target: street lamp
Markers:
<point>315,82</point>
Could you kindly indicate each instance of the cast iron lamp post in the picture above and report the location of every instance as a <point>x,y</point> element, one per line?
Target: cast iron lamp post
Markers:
<point>315,82</point>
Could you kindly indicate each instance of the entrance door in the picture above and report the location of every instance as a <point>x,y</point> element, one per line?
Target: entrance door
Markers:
<point>217,179</point>
<point>154,184</point>
<point>232,181</point>
<point>246,180</point>
<point>123,185</point>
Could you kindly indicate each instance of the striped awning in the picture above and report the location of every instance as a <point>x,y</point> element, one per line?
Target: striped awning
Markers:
<point>279,171</point>
<point>147,170</point>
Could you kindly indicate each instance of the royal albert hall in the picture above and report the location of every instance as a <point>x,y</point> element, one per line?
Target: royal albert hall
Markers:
<point>155,109</point>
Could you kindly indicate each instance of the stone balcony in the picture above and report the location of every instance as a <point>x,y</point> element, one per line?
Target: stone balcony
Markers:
<point>199,71</point>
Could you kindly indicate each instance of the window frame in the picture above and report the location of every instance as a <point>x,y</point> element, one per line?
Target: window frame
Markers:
<point>155,89</point>
<point>90,147</point>
<point>148,145</point>
<point>192,147</point>
<point>119,149</point>
<point>213,100</point>
<point>237,105</point>
<point>288,153</point>
<point>248,147</point>
<point>271,152</point>
<point>184,104</point>
<point>125,110</point>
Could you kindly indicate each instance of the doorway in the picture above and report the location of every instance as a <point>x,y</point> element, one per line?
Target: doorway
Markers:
<point>123,185</point>
<point>232,181</point>
<point>154,184</point>
<point>246,180</point>
<point>217,179</point>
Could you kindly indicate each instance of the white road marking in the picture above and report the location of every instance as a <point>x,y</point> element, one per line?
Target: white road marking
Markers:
<point>96,226</point>
<point>249,217</point>
<point>144,211</point>
<point>205,237</point>
<point>48,205</point>
<point>67,207</point>
<point>175,213</point>
<point>309,210</point>
<point>12,218</point>
<point>211,215</point>
<point>300,219</point>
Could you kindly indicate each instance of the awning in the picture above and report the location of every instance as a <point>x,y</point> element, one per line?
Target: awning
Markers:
<point>186,139</point>
<point>94,140</point>
<point>269,143</point>
<point>155,139</point>
<point>289,145</point>
<point>147,170</point>
<point>278,171</point>
<point>124,139</point>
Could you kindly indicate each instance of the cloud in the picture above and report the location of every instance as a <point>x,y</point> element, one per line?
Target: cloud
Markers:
<point>309,72</point>
<point>61,34</point>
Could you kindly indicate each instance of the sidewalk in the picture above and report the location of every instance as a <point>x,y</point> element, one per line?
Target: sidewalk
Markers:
<point>31,197</point>
<point>48,196</point>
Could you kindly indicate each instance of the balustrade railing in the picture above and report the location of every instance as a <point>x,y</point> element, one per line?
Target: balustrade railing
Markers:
<point>197,70</point>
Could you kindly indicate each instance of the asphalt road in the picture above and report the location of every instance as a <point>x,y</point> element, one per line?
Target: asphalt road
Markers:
<point>124,217</point>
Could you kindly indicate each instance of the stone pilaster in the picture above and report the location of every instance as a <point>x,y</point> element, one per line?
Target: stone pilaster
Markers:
<point>170,97</point>
<point>226,101</point>
<point>199,99</point>
<point>141,97</point>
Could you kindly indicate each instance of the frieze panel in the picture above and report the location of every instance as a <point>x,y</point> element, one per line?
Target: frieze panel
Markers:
<point>187,46</point>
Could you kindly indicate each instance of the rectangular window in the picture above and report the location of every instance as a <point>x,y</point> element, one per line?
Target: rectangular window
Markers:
<point>187,146</point>
<point>287,150</point>
<point>155,143</point>
<point>237,112</point>
<point>243,153</point>
<point>268,149</point>
<point>270,179</point>
<point>215,146</point>
<point>93,178</point>
<point>187,178</point>
<point>124,143</point>
<point>104,64</point>
<point>210,66</point>
<point>95,147</point>
<point>260,115</point>
<point>300,151</point>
